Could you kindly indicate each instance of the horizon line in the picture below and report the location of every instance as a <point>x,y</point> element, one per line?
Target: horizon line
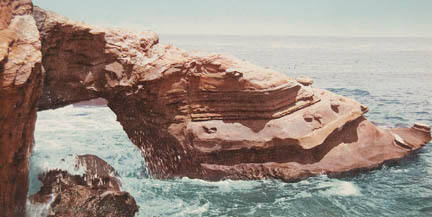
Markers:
<point>289,35</point>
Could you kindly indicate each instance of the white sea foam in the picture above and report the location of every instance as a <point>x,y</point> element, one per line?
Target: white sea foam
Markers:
<point>38,209</point>
<point>194,210</point>
<point>227,185</point>
<point>340,188</point>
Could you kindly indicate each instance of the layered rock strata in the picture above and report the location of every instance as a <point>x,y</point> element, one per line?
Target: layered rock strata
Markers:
<point>212,116</point>
<point>201,116</point>
<point>95,193</point>
<point>20,87</point>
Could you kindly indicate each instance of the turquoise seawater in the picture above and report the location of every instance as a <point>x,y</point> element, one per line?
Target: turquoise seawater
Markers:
<point>392,76</point>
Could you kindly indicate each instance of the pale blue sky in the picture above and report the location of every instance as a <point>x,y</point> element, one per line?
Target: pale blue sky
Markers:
<point>256,17</point>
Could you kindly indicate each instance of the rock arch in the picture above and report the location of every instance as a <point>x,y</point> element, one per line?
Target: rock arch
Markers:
<point>212,116</point>
<point>194,115</point>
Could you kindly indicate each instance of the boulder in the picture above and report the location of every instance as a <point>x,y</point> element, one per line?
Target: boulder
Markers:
<point>95,193</point>
<point>98,172</point>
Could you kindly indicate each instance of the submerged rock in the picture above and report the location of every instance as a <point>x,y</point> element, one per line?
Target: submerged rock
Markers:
<point>95,193</point>
<point>211,116</point>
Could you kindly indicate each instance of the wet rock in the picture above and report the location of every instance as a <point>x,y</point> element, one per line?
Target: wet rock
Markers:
<point>95,193</point>
<point>213,116</point>
<point>98,173</point>
<point>20,87</point>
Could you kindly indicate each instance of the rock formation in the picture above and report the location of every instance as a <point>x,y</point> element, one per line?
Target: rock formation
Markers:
<point>211,116</point>
<point>95,193</point>
<point>201,116</point>
<point>20,87</point>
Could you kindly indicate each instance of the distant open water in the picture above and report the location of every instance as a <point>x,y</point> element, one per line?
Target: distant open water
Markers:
<point>392,76</point>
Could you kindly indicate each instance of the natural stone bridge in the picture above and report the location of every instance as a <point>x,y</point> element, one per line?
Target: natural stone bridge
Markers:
<point>201,116</point>
<point>211,116</point>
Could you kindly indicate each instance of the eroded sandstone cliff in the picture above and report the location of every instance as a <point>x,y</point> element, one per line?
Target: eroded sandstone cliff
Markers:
<point>213,116</point>
<point>20,87</point>
<point>201,116</point>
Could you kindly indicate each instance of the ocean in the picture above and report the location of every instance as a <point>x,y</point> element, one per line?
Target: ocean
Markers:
<point>392,76</point>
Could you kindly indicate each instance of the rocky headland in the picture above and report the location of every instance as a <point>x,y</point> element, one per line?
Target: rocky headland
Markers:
<point>192,115</point>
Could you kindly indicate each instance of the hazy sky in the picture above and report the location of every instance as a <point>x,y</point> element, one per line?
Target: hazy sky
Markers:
<point>256,17</point>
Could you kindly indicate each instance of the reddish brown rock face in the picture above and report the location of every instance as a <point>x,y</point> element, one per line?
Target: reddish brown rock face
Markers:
<point>20,87</point>
<point>211,116</point>
<point>201,116</point>
<point>358,146</point>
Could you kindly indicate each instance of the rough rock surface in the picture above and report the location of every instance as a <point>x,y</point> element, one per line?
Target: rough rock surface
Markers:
<point>95,193</point>
<point>20,88</point>
<point>90,53</point>
<point>98,171</point>
<point>213,116</point>
<point>201,116</point>
<point>98,102</point>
